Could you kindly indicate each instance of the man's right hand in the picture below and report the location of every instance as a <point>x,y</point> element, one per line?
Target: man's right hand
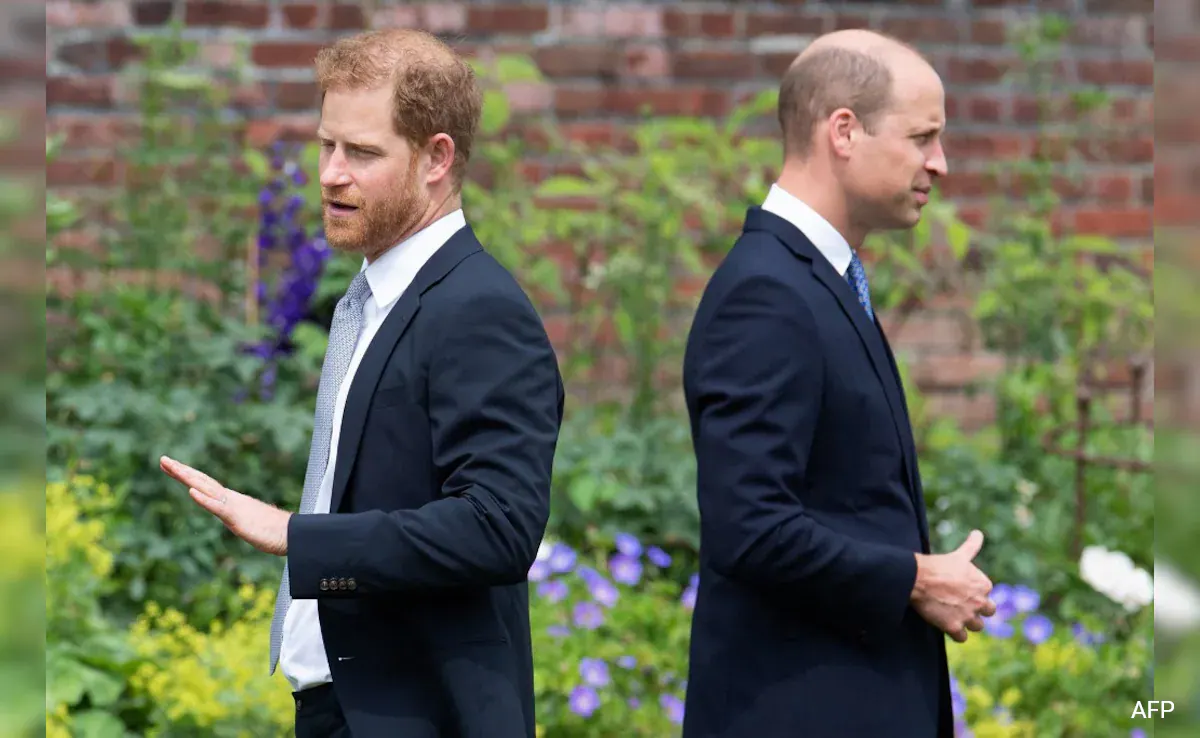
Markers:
<point>951,593</point>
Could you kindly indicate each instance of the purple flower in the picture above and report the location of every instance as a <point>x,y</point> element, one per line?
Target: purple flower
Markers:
<point>689,598</point>
<point>998,627</point>
<point>1002,594</point>
<point>559,631</point>
<point>562,558</point>
<point>658,557</point>
<point>1137,733</point>
<point>554,590</point>
<point>628,544</point>
<point>958,702</point>
<point>539,571</point>
<point>588,615</point>
<point>625,569</point>
<point>584,701</point>
<point>594,672</point>
<point>961,730</point>
<point>634,703</point>
<point>1025,599</point>
<point>627,662</point>
<point>673,706</point>
<point>603,591</point>
<point>1085,636</point>
<point>1038,628</point>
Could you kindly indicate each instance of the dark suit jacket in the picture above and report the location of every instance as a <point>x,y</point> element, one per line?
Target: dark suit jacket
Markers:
<point>441,495</point>
<point>811,509</point>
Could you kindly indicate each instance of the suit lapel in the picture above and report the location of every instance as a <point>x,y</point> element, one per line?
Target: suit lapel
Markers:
<point>461,245</point>
<point>910,446</point>
<point>869,333</point>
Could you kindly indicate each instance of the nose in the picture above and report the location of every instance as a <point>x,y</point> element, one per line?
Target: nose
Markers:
<point>936,164</point>
<point>333,172</point>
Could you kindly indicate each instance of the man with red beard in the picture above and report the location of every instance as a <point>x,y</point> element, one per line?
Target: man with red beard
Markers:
<point>403,608</point>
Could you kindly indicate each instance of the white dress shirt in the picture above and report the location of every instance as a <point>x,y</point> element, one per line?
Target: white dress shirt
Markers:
<point>302,654</point>
<point>832,244</point>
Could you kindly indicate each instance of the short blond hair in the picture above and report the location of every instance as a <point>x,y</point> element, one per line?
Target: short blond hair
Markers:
<point>434,90</point>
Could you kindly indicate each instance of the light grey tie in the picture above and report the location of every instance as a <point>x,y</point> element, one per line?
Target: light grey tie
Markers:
<point>343,335</point>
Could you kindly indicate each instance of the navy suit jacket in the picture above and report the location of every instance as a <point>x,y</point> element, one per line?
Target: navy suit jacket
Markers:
<point>440,499</point>
<point>811,509</point>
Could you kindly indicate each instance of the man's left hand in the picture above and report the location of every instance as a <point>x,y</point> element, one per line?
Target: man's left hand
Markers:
<point>255,522</point>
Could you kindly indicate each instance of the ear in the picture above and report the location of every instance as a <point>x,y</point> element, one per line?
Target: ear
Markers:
<point>440,151</point>
<point>845,130</point>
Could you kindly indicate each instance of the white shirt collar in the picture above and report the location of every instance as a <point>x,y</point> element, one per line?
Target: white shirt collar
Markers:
<point>832,245</point>
<point>393,272</point>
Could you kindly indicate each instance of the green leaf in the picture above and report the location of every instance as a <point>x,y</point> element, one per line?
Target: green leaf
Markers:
<point>97,724</point>
<point>517,68</point>
<point>567,186</point>
<point>958,236</point>
<point>257,161</point>
<point>496,112</point>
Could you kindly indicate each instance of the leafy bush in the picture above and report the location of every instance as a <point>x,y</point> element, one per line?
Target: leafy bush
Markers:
<point>22,619</point>
<point>610,631</point>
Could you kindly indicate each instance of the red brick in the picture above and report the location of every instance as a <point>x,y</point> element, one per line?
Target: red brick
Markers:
<point>687,24</point>
<point>92,131</point>
<point>992,146</point>
<point>977,70</point>
<point>76,15</point>
<point>297,96</point>
<point>596,133</point>
<point>507,19</point>
<point>985,109</point>
<point>305,15</point>
<point>1113,188</point>
<point>576,100</point>
<point>989,32</point>
<point>1122,7</point>
<point>955,371</point>
<point>284,53</point>
<point>967,184</point>
<point>849,21</point>
<point>1117,71</point>
<point>645,61</point>
<point>79,91</point>
<point>77,172</point>
<point>86,56</point>
<point>153,12</point>
<point>628,21</point>
<point>924,30</point>
<point>1182,48</point>
<point>1114,222</point>
<point>714,65</point>
<point>1147,190</point>
<point>347,17</point>
<point>673,101</point>
<point>122,51</point>
<point>778,24</point>
<point>576,61</point>
<point>776,63</point>
<point>225,14</point>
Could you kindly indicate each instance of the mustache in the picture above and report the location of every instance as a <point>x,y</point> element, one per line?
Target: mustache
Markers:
<point>329,199</point>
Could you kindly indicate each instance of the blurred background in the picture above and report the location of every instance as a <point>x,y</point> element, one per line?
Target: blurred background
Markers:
<point>189,292</point>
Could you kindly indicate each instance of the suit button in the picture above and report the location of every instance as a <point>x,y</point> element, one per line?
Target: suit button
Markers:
<point>353,585</point>
<point>324,585</point>
<point>342,584</point>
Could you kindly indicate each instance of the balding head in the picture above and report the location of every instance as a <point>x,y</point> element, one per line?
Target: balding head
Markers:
<point>852,69</point>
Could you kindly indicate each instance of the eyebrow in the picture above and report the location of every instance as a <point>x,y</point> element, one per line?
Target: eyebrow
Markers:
<point>353,145</point>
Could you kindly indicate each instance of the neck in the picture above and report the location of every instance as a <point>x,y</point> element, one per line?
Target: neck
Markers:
<point>438,208</point>
<point>801,181</point>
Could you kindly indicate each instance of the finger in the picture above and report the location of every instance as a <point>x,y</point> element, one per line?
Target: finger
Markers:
<point>988,609</point>
<point>959,636</point>
<point>975,624</point>
<point>213,504</point>
<point>970,547</point>
<point>188,475</point>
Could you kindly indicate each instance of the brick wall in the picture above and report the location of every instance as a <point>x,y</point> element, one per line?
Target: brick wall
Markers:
<point>603,61</point>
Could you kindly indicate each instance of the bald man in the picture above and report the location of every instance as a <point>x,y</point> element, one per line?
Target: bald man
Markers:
<point>821,612</point>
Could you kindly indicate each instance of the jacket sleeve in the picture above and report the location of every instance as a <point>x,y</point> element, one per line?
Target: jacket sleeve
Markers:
<point>758,388</point>
<point>495,409</point>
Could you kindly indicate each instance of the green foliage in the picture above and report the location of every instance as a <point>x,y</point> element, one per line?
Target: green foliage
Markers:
<point>1060,687</point>
<point>612,646</point>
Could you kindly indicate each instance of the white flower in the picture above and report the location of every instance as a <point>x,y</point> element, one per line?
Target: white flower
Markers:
<point>1176,600</point>
<point>1112,574</point>
<point>1023,516</point>
<point>544,550</point>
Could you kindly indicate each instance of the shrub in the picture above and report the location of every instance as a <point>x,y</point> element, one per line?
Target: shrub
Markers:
<point>610,634</point>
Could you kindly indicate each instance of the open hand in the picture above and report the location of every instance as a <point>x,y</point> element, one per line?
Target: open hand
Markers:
<point>951,593</point>
<point>255,522</point>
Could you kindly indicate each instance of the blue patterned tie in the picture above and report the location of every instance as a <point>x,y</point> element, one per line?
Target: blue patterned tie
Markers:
<point>858,280</point>
<point>343,335</point>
